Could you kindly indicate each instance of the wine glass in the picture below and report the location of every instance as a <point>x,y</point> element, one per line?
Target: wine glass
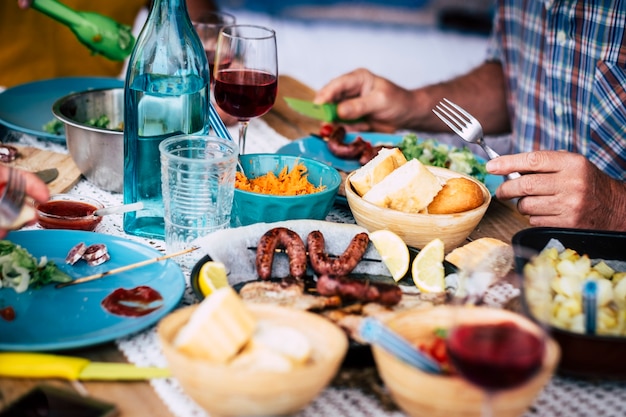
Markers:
<point>245,73</point>
<point>208,25</point>
<point>494,349</point>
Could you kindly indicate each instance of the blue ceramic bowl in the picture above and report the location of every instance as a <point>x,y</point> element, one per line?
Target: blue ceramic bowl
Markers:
<point>249,207</point>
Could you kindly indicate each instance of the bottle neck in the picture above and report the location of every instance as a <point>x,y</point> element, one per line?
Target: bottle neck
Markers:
<point>164,10</point>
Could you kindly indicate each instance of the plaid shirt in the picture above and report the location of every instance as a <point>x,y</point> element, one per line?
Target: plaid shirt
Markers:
<point>565,68</point>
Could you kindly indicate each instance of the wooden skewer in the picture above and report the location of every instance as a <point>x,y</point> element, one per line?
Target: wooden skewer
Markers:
<point>123,268</point>
<point>281,250</point>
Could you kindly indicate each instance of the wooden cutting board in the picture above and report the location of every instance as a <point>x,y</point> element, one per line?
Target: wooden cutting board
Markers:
<point>33,159</point>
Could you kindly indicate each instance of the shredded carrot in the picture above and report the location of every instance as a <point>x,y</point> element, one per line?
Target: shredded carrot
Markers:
<point>285,184</point>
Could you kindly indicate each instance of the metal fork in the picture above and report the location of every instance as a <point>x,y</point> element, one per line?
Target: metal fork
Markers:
<point>12,198</point>
<point>466,126</point>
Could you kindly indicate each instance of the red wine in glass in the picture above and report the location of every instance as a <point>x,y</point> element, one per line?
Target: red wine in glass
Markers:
<point>245,93</point>
<point>495,356</point>
<point>210,56</point>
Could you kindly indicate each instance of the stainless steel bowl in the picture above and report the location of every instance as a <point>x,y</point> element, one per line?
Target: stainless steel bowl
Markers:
<point>97,152</point>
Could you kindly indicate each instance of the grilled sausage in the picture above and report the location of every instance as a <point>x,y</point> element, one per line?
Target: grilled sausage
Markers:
<point>323,264</point>
<point>338,147</point>
<point>352,150</point>
<point>281,237</point>
<point>370,152</point>
<point>8,153</point>
<point>360,290</point>
<point>76,253</point>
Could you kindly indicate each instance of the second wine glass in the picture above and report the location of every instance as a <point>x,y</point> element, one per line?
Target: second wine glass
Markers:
<point>493,349</point>
<point>208,25</point>
<point>245,73</point>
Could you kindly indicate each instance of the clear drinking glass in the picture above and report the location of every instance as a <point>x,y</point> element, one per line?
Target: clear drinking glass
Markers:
<point>198,181</point>
<point>245,74</point>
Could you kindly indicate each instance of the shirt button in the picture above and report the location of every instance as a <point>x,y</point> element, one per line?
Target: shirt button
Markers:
<point>561,38</point>
<point>558,110</point>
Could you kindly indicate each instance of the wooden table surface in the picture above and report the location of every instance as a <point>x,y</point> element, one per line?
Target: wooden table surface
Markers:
<point>138,398</point>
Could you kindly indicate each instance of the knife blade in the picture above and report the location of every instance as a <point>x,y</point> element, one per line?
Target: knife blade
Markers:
<point>43,365</point>
<point>325,112</point>
<point>47,175</point>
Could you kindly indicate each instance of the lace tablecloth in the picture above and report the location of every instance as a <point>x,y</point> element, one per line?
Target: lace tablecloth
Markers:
<point>561,397</point>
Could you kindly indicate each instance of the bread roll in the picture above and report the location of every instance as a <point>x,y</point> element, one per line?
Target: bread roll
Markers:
<point>484,253</point>
<point>376,169</point>
<point>409,188</point>
<point>218,328</point>
<point>457,195</point>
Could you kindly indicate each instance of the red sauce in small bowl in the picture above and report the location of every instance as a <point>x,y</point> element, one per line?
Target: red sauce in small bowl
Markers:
<point>66,213</point>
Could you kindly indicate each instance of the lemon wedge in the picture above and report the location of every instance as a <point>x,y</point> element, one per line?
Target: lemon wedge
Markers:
<point>427,268</point>
<point>393,252</point>
<point>212,276</point>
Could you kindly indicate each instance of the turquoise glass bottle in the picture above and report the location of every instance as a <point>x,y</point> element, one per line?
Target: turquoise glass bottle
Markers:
<point>166,93</point>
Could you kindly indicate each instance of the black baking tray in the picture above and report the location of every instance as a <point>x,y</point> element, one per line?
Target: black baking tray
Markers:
<point>358,353</point>
<point>581,354</point>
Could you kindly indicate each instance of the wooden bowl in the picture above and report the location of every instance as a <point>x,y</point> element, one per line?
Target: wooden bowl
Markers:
<point>418,229</point>
<point>223,391</point>
<point>425,395</point>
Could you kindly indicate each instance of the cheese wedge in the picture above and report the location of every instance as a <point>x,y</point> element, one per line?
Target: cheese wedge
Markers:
<point>218,328</point>
<point>487,253</point>
<point>376,169</point>
<point>409,188</point>
<point>258,358</point>
<point>284,340</point>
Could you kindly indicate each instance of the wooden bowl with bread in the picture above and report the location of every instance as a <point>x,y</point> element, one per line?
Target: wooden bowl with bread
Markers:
<point>417,202</point>
<point>243,359</point>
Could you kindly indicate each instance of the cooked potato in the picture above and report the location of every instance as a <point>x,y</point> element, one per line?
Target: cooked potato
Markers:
<point>567,273</point>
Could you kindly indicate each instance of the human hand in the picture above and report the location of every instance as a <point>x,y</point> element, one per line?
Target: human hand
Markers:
<point>562,189</point>
<point>35,189</point>
<point>362,94</point>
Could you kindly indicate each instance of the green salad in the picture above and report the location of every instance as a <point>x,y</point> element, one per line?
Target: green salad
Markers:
<point>429,152</point>
<point>54,127</point>
<point>20,270</point>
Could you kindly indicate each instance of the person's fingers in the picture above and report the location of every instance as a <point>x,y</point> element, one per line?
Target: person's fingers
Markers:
<point>35,187</point>
<point>345,86</point>
<point>522,162</point>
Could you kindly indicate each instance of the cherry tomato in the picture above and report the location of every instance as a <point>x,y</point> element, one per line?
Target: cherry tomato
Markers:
<point>326,130</point>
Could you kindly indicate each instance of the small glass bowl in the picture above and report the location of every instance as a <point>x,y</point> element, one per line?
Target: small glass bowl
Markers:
<point>67,211</point>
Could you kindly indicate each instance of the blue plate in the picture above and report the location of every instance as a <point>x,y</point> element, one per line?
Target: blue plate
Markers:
<point>52,318</point>
<point>28,107</point>
<point>315,148</point>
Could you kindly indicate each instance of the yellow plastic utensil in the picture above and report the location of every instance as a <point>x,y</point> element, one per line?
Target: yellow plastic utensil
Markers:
<point>42,365</point>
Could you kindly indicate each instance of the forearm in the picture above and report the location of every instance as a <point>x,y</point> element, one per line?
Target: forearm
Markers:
<point>481,92</point>
<point>618,200</point>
